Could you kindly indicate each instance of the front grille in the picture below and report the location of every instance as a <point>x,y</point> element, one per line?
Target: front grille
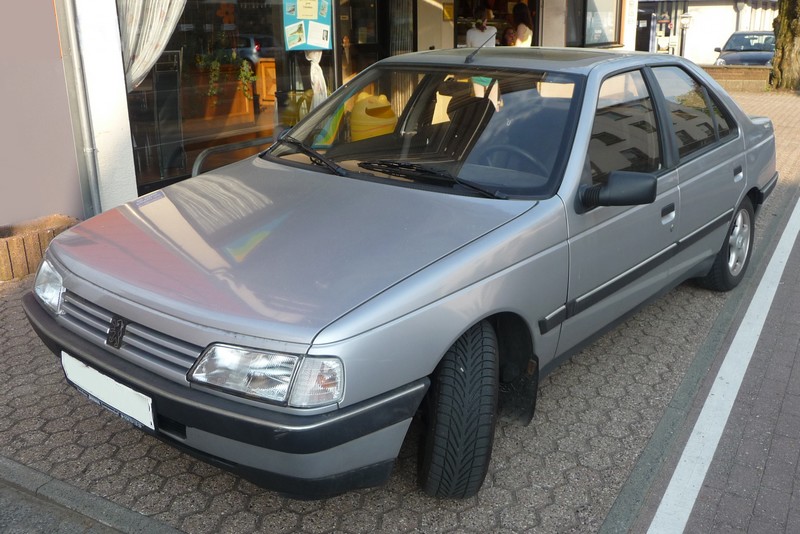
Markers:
<point>155,351</point>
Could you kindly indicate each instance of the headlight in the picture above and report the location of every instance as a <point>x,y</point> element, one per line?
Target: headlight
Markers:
<point>268,376</point>
<point>719,62</point>
<point>245,372</point>
<point>49,287</point>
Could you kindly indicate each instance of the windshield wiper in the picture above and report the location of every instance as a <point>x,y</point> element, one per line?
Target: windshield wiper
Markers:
<point>315,157</point>
<point>407,169</point>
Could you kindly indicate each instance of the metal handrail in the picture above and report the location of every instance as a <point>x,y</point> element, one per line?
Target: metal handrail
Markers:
<point>201,157</point>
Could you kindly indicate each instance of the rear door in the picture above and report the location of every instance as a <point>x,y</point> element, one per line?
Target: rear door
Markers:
<point>711,171</point>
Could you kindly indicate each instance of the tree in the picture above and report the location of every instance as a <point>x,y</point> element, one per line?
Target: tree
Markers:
<point>786,63</point>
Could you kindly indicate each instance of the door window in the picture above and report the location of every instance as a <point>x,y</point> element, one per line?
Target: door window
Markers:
<point>698,121</point>
<point>625,133</point>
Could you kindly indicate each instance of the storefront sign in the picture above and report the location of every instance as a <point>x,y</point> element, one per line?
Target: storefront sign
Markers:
<point>307,24</point>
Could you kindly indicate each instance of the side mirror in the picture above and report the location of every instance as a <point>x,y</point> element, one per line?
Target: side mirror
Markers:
<point>623,188</point>
<point>717,49</point>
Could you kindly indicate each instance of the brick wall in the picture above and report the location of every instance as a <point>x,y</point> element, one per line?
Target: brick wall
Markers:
<point>22,245</point>
<point>741,78</point>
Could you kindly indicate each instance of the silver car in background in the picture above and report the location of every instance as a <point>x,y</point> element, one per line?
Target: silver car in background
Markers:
<point>429,241</point>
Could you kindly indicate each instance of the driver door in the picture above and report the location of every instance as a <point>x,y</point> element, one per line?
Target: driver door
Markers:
<point>619,255</point>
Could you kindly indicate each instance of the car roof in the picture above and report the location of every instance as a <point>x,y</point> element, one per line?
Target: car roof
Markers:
<point>574,60</point>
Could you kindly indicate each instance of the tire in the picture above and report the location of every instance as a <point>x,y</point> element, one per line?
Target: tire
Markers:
<point>461,412</point>
<point>733,258</point>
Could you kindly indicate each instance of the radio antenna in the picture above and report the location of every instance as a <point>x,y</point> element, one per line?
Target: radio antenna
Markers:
<point>471,56</point>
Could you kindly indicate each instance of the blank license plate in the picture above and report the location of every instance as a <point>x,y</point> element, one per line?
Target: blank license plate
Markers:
<point>119,398</point>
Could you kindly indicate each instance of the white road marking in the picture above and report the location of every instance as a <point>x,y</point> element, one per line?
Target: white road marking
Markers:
<point>676,505</point>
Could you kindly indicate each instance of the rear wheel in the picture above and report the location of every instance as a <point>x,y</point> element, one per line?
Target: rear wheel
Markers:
<point>461,411</point>
<point>731,262</point>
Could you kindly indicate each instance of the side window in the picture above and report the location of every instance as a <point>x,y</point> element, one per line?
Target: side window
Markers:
<point>698,121</point>
<point>625,133</point>
<point>724,128</point>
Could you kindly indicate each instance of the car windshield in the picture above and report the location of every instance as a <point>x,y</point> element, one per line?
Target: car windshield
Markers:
<point>499,133</point>
<point>751,42</point>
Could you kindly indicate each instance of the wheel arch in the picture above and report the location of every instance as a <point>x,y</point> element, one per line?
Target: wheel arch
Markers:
<point>519,368</point>
<point>756,199</point>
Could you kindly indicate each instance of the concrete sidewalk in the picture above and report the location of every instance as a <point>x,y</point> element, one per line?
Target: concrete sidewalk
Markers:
<point>32,502</point>
<point>608,432</point>
<point>24,511</point>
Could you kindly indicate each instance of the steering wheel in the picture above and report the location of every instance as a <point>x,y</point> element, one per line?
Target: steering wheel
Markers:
<point>487,157</point>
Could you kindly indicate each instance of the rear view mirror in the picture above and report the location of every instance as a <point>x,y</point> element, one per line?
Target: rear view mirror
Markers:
<point>623,188</point>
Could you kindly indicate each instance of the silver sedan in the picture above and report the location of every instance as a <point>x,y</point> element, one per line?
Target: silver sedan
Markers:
<point>429,241</point>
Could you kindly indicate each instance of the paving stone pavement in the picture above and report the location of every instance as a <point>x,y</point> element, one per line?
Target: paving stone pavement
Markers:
<point>563,473</point>
<point>752,483</point>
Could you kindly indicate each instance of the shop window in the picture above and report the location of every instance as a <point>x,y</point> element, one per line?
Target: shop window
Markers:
<point>502,18</point>
<point>594,22</point>
<point>225,77</point>
<point>358,27</point>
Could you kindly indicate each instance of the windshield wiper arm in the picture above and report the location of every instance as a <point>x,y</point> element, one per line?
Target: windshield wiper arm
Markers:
<point>409,170</point>
<point>313,155</point>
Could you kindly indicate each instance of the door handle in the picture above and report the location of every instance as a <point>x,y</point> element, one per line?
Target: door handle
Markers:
<point>668,213</point>
<point>737,173</point>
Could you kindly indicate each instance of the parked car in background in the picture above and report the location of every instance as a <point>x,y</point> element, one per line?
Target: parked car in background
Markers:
<point>428,242</point>
<point>747,48</point>
<point>252,47</point>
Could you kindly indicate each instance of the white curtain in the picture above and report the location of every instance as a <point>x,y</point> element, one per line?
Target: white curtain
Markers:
<point>145,28</point>
<point>317,78</point>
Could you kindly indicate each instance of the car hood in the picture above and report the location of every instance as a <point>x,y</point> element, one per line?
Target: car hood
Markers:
<point>272,251</point>
<point>746,58</point>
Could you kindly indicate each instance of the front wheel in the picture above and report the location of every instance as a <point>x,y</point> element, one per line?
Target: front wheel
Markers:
<point>733,258</point>
<point>461,409</point>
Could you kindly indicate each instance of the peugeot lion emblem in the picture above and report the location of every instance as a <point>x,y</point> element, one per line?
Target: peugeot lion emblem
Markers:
<point>115,331</point>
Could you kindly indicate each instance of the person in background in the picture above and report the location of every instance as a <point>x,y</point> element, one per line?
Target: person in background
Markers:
<point>482,34</point>
<point>523,24</point>
<point>509,37</point>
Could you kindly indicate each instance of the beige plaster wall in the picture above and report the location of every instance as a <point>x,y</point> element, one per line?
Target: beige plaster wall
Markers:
<point>39,173</point>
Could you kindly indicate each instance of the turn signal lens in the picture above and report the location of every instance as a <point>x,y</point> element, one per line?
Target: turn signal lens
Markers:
<point>319,381</point>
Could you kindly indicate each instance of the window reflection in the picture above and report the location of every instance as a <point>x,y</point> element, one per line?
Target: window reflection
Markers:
<point>224,77</point>
<point>624,134</point>
<point>697,120</point>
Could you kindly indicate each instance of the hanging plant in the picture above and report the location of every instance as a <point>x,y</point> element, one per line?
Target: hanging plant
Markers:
<point>246,79</point>
<point>213,78</point>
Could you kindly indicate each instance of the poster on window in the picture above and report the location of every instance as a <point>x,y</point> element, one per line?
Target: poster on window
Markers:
<point>307,24</point>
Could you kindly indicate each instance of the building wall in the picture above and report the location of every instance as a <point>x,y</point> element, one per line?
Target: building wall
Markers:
<point>629,24</point>
<point>432,30</point>
<point>106,104</point>
<point>40,173</point>
<point>554,22</point>
<point>710,27</point>
<point>758,15</point>
<point>713,23</point>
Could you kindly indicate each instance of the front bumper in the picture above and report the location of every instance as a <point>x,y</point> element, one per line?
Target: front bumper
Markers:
<point>304,456</point>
